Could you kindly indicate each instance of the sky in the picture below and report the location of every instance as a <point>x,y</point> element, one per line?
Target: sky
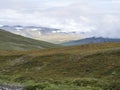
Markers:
<point>94,17</point>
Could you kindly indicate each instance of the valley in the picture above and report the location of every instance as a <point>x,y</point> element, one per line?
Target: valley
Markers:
<point>59,44</point>
<point>47,34</point>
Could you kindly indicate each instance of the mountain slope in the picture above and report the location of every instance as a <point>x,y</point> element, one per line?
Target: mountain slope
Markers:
<point>90,41</point>
<point>9,41</point>
<point>87,66</point>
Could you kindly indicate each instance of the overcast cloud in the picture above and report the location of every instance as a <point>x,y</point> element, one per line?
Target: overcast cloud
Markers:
<point>95,17</point>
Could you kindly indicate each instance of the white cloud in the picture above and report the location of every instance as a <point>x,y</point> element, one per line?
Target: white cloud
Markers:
<point>95,17</point>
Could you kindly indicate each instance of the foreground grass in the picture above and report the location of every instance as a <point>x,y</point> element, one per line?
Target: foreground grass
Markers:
<point>85,67</point>
<point>75,84</point>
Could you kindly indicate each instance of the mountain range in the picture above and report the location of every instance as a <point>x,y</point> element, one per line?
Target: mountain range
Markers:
<point>91,40</point>
<point>45,66</point>
<point>10,41</point>
<point>52,35</point>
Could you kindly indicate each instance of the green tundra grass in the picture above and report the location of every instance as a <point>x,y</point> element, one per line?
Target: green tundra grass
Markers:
<point>84,67</point>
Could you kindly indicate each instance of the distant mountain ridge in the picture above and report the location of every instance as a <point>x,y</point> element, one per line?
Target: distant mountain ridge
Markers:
<point>18,28</point>
<point>91,40</point>
<point>48,34</point>
<point>10,41</point>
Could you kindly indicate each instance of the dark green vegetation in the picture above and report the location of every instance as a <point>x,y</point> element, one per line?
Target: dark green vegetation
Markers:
<point>9,41</point>
<point>91,40</point>
<point>85,67</point>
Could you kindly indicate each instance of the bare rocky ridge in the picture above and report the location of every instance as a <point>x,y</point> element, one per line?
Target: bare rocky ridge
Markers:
<point>11,87</point>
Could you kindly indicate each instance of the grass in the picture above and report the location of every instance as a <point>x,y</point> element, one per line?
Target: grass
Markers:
<point>84,67</point>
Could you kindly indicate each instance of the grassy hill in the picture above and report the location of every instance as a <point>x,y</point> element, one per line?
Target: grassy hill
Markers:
<point>9,41</point>
<point>85,67</point>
